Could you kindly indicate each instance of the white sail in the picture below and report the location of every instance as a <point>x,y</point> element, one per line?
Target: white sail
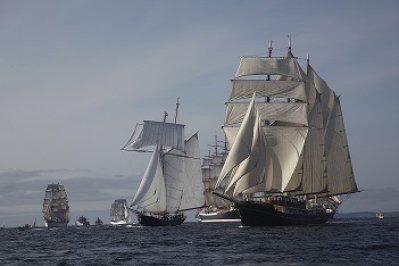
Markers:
<point>339,167</point>
<point>151,194</point>
<point>339,173</point>
<point>152,133</point>
<point>251,170</point>
<point>283,151</point>
<point>173,166</point>
<point>284,146</point>
<point>193,187</point>
<point>241,147</point>
<point>244,89</point>
<point>292,112</point>
<point>269,66</point>
<point>313,168</point>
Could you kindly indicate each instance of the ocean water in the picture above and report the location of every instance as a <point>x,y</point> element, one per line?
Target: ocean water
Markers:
<point>355,241</point>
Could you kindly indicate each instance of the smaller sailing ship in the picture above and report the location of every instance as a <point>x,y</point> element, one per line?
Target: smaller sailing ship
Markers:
<point>55,206</point>
<point>217,210</point>
<point>379,215</point>
<point>27,226</point>
<point>82,221</point>
<point>172,182</point>
<point>98,221</point>
<point>119,212</point>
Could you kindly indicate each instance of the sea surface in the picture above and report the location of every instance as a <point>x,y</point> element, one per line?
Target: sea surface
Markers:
<point>349,241</point>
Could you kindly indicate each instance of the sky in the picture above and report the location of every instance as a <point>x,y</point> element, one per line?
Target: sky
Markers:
<point>76,76</point>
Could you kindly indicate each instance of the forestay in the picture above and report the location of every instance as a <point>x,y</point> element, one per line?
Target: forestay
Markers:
<point>244,89</point>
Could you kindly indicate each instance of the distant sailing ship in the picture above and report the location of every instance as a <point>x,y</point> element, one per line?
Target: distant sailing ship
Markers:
<point>172,181</point>
<point>27,226</point>
<point>289,155</point>
<point>98,221</point>
<point>217,210</point>
<point>119,212</point>
<point>82,221</point>
<point>379,215</point>
<point>55,206</point>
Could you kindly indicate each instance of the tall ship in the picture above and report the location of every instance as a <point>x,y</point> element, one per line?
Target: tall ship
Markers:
<point>172,182</point>
<point>119,212</point>
<point>217,210</point>
<point>55,206</point>
<point>289,157</point>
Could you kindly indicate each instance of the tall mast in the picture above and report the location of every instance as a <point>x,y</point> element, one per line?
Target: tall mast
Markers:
<point>177,109</point>
<point>165,114</point>
<point>270,55</point>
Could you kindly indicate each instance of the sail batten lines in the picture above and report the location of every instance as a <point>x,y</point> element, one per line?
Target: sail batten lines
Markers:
<point>293,112</point>
<point>269,66</point>
<point>244,89</point>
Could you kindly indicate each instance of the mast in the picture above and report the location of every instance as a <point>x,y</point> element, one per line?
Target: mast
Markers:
<point>177,109</point>
<point>270,55</point>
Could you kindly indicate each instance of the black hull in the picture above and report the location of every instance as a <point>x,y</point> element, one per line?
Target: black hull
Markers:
<point>227,216</point>
<point>263,214</point>
<point>149,220</point>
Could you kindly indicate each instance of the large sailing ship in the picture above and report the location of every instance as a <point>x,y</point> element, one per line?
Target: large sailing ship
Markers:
<point>217,210</point>
<point>55,206</point>
<point>171,183</point>
<point>119,212</point>
<point>289,157</point>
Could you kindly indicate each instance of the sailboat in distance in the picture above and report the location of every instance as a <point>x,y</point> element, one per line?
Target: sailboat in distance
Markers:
<point>55,206</point>
<point>289,155</point>
<point>172,181</point>
<point>119,212</point>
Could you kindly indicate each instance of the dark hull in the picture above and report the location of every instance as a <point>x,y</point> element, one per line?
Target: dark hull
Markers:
<point>227,216</point>
<point>148,220</point>
<point>263,214</point>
